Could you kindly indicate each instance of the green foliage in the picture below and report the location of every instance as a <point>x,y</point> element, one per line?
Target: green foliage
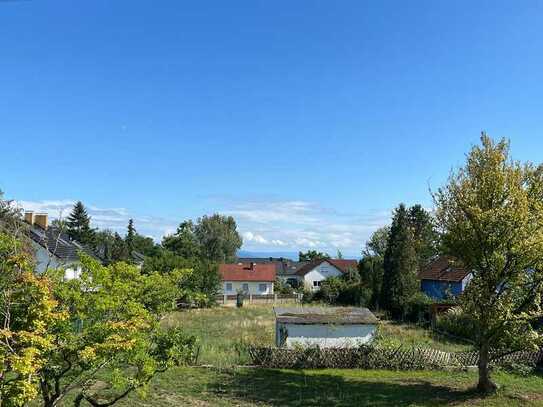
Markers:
<point>112,323</point>
<point>280,287</point>
<point>371,267</point>
<point>312,255</point>
<point>175,346</point>
<point>400,265</point>
<point>343,291</point>
<point>457,323</point>
<point>218,238</point>
<point>491,216</point>
<point>27,308</point>
<point>130,235</point>
<point>213,238</point>
<point>424,234</point>
<point>184,242</point>
<point>78,225</point>
<point>198,280</point>
<point>417,308</point>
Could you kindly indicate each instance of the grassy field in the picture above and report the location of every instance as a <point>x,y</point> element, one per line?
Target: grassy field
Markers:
<point>221,329</point>
<point>275,388</point>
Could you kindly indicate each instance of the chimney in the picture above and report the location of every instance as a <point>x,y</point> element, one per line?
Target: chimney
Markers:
<point>252,267</point>
<point>40,219</point>
<point>29,217</point>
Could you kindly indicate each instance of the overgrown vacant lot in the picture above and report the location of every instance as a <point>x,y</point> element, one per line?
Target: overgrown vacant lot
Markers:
<point>220,329</point>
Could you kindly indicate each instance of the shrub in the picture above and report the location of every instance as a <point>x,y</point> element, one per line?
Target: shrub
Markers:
<point>417,308</point>
<point>456,323</point>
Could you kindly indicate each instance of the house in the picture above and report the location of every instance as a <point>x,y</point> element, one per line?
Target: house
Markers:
<point>443,278</point>
<point>285,269</point>
<point>250,278</point>
<point>327,327</point>
<point>312,274</point>
<point>53,248</point>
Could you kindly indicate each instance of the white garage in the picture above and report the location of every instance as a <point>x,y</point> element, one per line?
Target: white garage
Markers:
<point>326,327</point>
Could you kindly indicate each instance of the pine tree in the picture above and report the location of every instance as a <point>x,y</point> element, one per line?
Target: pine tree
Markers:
<point>78,225</point>
<point>130,235</point>
<point>424,233</point>
<point>400,264</point>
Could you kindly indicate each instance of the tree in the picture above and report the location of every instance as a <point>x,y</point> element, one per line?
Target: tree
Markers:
<point>199,280</point>
<point>112,326</point>
<point>490,215</point>
<point>424,234</point>
<point>78,225</point>
<point>339,255</point>
<point>400,265</point>
<point>130,235</point>
<point>27,308</point>
<point>184,242</point>
<point>119,249</point>
<point>371,266</point>
<point>312,255</point>
<point>218,238</point>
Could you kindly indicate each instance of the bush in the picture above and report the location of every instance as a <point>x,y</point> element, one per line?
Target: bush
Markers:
<point>456,323</point>
<point>341,291</point>
<point>282,288</point>
<point>417,308</point>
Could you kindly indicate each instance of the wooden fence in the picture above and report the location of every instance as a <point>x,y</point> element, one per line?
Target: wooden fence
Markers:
<point>229,299</point>
<point>367,357</point>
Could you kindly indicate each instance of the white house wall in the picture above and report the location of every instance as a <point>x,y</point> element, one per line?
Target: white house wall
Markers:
<point>252,285</point>
<point>324,335</point>
<point>320,273</point>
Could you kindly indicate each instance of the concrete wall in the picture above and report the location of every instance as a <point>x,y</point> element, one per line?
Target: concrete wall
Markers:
<point>320,273</point>
<point>253,287</point>
<point>323,335</point>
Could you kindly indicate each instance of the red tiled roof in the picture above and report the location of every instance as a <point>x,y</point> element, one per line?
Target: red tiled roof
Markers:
<point>341,264</point>
<point>443,268</point>
<point>244,272</point>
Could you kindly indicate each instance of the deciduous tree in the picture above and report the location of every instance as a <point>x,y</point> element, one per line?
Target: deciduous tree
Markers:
<point>490,215</point>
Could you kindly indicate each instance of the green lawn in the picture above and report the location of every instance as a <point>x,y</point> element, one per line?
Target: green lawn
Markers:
<point>263,387</point>
<point>224,384</point>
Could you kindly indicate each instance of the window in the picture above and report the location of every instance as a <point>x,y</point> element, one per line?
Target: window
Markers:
<point>228,286</point>
<point>245,287</point>
<point>316,283</point>
<point>262,287</point>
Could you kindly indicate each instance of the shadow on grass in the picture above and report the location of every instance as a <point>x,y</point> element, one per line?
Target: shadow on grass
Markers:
<point>296,388</point>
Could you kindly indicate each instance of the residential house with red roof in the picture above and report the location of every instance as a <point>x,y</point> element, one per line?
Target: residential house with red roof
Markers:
<point>444,277</point>
<point>250,278</point>
<point>312,274</point>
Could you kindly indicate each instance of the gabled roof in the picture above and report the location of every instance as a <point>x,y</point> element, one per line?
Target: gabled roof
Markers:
<point>324,315</point>
<point>444,268</point>
<point>244,272</point>
<point>58,243</point>
<point>341,264</point>
<point>283,266</point>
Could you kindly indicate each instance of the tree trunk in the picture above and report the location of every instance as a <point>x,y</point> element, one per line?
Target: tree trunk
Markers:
<point>485,385</point>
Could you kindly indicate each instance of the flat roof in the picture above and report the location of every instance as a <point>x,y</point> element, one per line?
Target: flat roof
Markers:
<point>324,315</point>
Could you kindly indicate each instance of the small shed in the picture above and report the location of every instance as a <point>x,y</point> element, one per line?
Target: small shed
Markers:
<point>331,327</point>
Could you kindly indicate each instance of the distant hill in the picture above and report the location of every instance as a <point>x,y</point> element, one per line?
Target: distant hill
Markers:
<point>286,255</point>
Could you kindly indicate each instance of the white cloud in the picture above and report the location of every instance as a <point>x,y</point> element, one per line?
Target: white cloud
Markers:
<point>269,224</point>
<point>115,219</point>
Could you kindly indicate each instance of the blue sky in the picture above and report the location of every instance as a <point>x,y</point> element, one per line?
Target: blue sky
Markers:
<point>308,120</point>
